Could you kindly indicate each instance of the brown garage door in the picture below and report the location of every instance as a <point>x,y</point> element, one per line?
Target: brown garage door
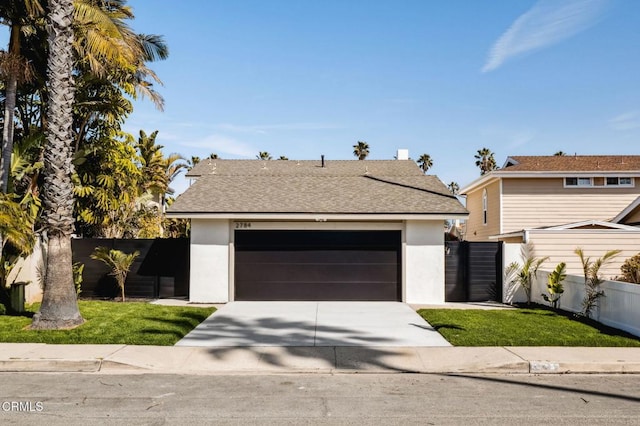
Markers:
<point>317,265</point>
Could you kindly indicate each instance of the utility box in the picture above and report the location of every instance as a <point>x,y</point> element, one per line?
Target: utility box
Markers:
<point>17,296</point>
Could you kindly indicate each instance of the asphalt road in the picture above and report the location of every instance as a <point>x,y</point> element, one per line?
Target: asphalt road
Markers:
<point>87,399</point>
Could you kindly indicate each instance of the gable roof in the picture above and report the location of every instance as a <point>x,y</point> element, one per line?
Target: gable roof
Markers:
<point>393,187</point>
<point>560,166</point>
<point>630,209</point>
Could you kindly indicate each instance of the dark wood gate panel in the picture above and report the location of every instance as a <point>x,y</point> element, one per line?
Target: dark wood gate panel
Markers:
<point>473,271</point>
<point>161,269</point>
<point>317,265</point>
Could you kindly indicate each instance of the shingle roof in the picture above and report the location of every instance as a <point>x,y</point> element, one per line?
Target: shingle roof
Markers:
<point>573,163</point>
<point>304,168</point>
<point>341,187</point>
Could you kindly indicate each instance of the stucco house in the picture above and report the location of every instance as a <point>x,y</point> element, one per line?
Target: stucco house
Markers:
<point>316,230</point>
<point>559,203</point>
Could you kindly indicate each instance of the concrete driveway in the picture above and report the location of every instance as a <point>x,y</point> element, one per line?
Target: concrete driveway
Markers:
<point>242,324</point>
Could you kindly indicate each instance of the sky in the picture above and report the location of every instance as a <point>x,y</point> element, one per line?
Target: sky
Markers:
<point>302,78</point>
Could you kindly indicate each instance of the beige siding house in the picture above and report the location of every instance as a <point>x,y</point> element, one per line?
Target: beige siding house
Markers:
<point>559,203</point>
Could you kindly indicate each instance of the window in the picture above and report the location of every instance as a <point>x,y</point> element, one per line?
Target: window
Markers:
<point>619,181</point>
<point>484,207</point>
<point>578,181</point>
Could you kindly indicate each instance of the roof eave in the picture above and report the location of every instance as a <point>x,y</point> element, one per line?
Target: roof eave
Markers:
<point>316,216</point>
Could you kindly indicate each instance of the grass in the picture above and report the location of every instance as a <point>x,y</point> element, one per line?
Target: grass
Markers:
<point>130,323</point>
<point>536,326</point>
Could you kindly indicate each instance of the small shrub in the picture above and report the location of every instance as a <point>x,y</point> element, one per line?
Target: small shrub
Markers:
<point>3,310</point>
<point>78,269</point>
<point>554,285</point>
<point>524,275</point>
<point>631,270</point>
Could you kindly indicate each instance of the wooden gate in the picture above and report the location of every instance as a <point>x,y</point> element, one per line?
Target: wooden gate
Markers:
<point>473,271</point>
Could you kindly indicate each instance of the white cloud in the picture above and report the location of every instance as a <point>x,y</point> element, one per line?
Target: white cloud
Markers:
<point>508,138</point>
<point>223,145</point>
<point>627,121</point>
<point>546,23</point>
<point>264,128</point>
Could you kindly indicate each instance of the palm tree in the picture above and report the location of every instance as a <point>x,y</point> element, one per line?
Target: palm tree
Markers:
<point>152,162</point>
<point>264,155</point>
<point>485,160</point>
<point>118,261</point>
<point>560,154</point>
<point>454,188</point>
<point>14,69</point>
<point>361,150</point>
<point>59,308</point>
<point>425,162</point>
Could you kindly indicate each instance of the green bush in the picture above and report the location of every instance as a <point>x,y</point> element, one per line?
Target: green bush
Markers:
<point>631,270</point>
<point>3,310</point>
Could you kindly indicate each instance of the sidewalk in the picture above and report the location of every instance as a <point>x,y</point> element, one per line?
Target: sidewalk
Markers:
<point>118,359</point>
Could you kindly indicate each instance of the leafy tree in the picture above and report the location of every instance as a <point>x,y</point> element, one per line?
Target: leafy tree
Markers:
<point>59,308</point>
<point>525,274</point>
<point>264,155</point>
<point>17,239</point>
<point>631,270</point>
<point>425,162</point>
<point>593,279</point>
<point>485,160</point>
<point>454,188</point>
<point>361,150</point>
<point>106,188</point>
<point>554,284</point>
<point>118,261</point>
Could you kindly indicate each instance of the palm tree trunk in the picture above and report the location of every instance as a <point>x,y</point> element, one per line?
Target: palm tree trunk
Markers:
<point>59,307</point>
<point>11,91</point>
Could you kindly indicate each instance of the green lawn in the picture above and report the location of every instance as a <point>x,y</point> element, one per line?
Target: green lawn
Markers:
<point>522,327</point>
<point>131,323</point>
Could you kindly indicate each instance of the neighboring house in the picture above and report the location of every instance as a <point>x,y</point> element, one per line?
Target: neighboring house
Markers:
<point>560,203</point>
<point>316,230</point>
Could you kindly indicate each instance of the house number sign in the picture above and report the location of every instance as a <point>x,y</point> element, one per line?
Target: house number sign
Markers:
<point>243,225</point>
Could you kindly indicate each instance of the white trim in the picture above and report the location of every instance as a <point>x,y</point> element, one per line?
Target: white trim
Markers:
<point>322,226</point>
<point>578,184</point>
<point>319,217</point>
<point>574,225</point>
<point>232,262</point>
<point>500,200</point>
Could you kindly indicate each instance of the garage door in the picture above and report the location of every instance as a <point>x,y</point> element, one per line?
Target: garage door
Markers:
<point>317,265</point>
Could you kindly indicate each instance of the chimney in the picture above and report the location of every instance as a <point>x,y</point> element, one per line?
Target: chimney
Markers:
<point>322,160</point>
<point>403,154</point>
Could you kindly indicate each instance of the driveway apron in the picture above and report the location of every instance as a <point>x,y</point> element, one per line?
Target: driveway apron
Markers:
<point>364,324</point>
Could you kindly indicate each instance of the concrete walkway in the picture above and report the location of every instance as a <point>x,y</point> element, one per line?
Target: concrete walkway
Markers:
<point>320,324</point>
<point>123,359</point>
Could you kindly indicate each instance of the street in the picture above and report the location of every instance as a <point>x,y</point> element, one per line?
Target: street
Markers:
<point>68,399</point>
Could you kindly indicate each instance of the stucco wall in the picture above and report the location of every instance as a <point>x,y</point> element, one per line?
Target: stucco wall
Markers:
<point>423,257</point>
<point>209,269</point>
<point>424,262</point>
